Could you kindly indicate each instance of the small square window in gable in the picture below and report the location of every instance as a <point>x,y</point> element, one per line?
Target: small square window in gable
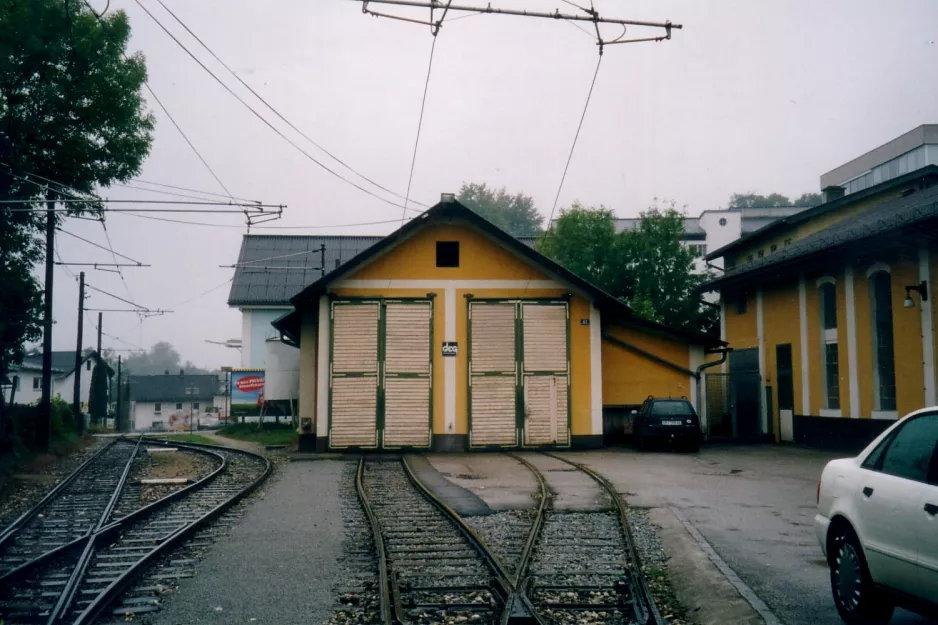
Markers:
<point>447,253</point>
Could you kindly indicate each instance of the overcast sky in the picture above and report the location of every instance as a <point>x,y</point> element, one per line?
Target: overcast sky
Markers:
<point>749,96</point>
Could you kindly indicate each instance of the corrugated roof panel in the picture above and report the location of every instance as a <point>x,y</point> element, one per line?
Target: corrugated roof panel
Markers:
<point>273,268</point>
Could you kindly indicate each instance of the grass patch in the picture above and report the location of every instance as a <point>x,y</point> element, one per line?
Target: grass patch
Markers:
<point>263,433</point>
<point>188,438</point>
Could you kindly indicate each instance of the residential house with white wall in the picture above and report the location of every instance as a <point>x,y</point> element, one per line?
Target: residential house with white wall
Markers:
<point>166,402</point>
<point>26,378</point>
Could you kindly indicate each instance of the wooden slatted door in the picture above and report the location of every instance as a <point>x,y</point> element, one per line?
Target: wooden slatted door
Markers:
<point>407,374</point>
<point>493,374</point>
<point>545,373</point>
<point>353,376</point>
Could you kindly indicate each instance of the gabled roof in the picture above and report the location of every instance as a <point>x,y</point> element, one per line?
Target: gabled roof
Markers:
<point>172,387</point>
<point>273,268</point>
<point>297,258</point>
<point>63,363</point>
<point>613,308</point>
<point>803,216</point>
<point>909,213</point>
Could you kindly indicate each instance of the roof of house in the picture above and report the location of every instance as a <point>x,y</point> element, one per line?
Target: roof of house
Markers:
<point>290,263</point>
<point>615,308</point>
<point>172,387</point>
<point>887,217</point>
<point>62,362</point>
<point>273,268</point>
<point>806,215</point>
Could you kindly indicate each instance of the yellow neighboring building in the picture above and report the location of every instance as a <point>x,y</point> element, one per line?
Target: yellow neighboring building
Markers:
<point>450,334</point>
<point>833,309</point>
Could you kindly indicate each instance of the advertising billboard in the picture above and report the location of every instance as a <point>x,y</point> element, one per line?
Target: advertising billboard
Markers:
<point>247,392</point>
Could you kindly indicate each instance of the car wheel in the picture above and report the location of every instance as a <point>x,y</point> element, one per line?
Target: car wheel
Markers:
<point>856,598</point>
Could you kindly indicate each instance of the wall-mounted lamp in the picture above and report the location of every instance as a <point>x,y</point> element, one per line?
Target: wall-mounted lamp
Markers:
<point>922,289</point>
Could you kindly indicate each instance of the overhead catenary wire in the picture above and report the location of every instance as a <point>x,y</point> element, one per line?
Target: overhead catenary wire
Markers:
<point>178,188</point>
<point>274,110</point>
<point>423,104</point>
<point>575,138</point>
<point>143,309</point>
<point>100,18</point>
<point>107,237</point>
<point>203,294</point>
<point>263,119</point>
<point>303,227</point>
<point>98,245</point>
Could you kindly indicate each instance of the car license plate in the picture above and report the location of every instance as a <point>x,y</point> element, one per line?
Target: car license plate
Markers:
<point>670,423</point>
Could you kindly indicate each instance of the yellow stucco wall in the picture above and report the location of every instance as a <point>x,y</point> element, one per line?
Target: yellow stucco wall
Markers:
<point>907,337</point>
<point>480,258</point>
<point>741,329</point>
<point>781,324</point>
<point>629,377</point>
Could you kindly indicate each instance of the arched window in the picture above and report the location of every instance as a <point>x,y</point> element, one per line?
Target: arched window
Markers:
<point>830,368</point>
<point>884,361</point>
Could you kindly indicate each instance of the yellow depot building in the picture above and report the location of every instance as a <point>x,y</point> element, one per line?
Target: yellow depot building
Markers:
<point>450,334</point>
<point>832,310</point>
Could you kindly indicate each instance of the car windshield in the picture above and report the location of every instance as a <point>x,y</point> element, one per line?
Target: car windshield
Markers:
<point>674,408</point>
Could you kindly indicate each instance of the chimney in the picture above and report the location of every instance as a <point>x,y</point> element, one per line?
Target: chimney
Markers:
<point>447,198</point>
<point>832,193</point>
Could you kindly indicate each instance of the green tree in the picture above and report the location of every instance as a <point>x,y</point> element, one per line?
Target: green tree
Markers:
<point>662,275</point>
<point>515,214</point>
<point>161,358</point>
<point>70,111</point>
<point>809,199</point>
<point>97,400</point>
<point>647,267</point>
<point>754,200</point>
<point>584,240</point>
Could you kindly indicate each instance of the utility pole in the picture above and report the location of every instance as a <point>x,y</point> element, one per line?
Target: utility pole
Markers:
<point>322,259</point>
<point>118,422</point>
<point>45,401</point>
<point>76,399</point>
<point>100,318</point>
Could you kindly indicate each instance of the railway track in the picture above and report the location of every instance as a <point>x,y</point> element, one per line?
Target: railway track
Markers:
<point>76,575</point>
<point>583,568</point>
<point>548,567</point>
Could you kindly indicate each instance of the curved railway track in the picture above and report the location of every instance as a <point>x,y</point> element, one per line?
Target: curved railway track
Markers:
<point>547,568</point>
<point>55,576</point>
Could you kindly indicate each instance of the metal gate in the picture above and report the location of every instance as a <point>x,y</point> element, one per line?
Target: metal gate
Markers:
<point>519,383</point>
<point>381,376</point>
<point>719,409</point>
<point>353,375</point>
<point>733,404</point>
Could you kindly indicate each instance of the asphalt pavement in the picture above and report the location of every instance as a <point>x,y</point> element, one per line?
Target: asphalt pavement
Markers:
<point>278,564</point>
<point>754,505</point>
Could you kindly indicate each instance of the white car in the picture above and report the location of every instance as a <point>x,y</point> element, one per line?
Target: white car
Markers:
<point>877,522</point>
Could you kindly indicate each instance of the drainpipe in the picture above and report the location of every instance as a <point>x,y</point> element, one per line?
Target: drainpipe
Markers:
<point>723,354</point>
